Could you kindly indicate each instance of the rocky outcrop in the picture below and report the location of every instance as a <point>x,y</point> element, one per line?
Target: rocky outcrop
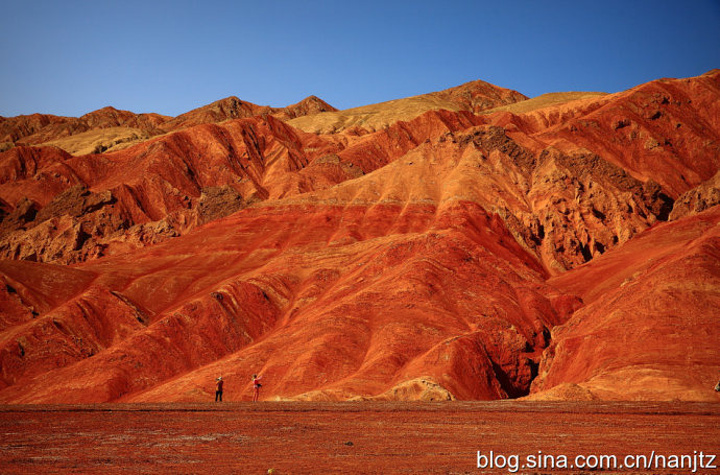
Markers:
<point>704,196</point>
<point>309,106</point>
<point>218,201</point>
<point>65,231</point>
<point>18,218</point>
<point>218,111</point>
<point>478,96</point>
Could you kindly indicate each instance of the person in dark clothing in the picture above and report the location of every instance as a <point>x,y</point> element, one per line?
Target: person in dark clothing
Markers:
<point>256,387</point>
<point>219,389</point>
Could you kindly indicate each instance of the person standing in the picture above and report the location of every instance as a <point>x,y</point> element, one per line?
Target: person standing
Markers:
<point>219,389</point>
<point>256,387</point>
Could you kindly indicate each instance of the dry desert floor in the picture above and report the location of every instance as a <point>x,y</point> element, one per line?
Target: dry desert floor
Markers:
<point>360,437</point>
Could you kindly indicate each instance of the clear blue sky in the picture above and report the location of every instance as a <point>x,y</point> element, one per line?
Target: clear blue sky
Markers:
<point>72,57</point>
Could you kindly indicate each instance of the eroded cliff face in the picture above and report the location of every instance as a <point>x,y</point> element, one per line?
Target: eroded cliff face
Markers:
<point>702,197</point>
<point>473,251</point>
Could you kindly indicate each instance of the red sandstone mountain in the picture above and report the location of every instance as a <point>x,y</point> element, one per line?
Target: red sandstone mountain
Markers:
<point>234,108</point>
<point>40,128</point>
<point>468,244</point>
<point>37,129</point>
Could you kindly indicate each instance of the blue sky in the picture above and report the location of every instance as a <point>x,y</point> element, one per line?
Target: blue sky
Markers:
<point>72,57</point>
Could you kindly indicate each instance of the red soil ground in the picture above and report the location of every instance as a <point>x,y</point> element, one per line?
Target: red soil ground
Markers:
<point>369,437</point>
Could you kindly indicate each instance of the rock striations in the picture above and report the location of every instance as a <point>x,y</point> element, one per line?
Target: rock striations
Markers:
<point>465,244</point>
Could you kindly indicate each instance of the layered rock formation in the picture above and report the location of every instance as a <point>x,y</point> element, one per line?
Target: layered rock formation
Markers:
<point>465,244</point>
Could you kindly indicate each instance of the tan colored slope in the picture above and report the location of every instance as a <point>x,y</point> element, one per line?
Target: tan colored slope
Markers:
<point>371,117</point>
<point>552,99</point>
<point>473,97</point>
<point>100,140</point>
